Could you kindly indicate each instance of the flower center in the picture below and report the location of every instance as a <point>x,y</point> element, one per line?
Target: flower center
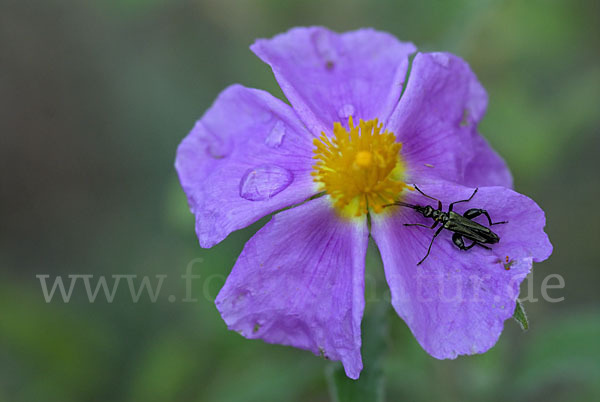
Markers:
<point>360,169</point>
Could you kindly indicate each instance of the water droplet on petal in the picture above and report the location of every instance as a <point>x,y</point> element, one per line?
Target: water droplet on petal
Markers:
<point>215,146</point>
<point>264,116</point>
<point>441,58</point>
<point>322,42</point>
<point>264,182</point>
<point>275,136</point>
<point>346,111</point>
<point>218,148</point>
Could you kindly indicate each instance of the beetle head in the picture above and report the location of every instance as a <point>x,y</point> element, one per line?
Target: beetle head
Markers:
<point>427,211</point>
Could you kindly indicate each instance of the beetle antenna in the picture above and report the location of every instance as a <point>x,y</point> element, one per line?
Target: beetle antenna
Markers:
<point>402,204</point>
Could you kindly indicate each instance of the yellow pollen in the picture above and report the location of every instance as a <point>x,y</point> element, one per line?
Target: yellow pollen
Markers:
<point>361,169</point>
<point>363,159</point>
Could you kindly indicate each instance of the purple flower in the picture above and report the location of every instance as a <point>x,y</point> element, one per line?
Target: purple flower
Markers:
<point>350,135</point>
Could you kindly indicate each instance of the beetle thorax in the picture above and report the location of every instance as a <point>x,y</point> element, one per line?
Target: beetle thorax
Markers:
<point>439,216</point>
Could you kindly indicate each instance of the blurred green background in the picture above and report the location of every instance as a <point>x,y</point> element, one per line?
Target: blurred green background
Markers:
<point>94,99</point>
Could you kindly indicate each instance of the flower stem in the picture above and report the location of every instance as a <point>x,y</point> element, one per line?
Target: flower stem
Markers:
<point>369,387</point>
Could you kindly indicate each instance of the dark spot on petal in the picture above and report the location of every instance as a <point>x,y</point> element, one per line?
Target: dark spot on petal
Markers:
<point>465,119</point>
<point>329,65</point>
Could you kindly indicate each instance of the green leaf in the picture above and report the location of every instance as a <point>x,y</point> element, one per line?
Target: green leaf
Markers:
<point>520,316</point>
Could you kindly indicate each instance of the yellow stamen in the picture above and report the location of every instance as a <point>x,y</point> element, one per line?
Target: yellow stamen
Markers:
<point>363,159</point>
<point>361,169</point>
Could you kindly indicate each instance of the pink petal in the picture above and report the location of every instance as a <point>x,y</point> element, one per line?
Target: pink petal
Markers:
<point>329,76</point>
<point>300,281</point>
<point>456,301</point>
<point>248,156</point>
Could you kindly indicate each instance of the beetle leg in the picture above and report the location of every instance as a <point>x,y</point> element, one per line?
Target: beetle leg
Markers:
<point>459,242</point>
<point>475,212</point>
<point>467,200</point>
<point>435,223</point>
<point>430,244</point>
<point>417,224</point>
